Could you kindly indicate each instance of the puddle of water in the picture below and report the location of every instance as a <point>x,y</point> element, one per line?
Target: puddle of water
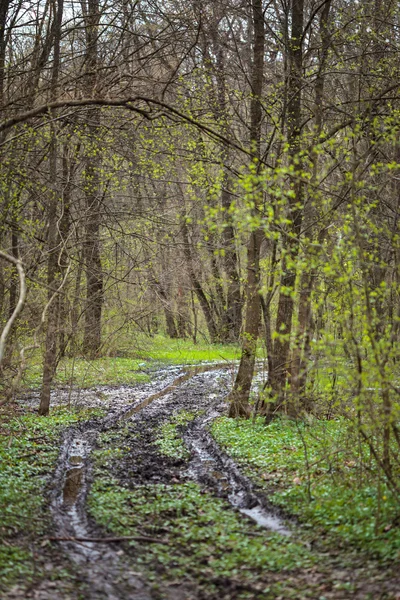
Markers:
<point>228,479</point>
<point>72,485</point>
<point>68,506</point>
<point>265,519</point>
<point>189,374</point>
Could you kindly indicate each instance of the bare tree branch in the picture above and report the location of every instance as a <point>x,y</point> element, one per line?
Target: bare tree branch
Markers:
<point>20,304</point>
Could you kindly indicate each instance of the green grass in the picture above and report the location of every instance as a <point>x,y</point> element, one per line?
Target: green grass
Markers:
<point>340,494</point>
<point>112,445</point>
<point>85,373</point>
<point>142,354</point>
<point>177,351</point>
<point>29,447</point>
<point>206,541</point>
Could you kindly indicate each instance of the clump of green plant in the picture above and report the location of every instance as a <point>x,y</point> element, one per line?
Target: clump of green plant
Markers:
<point>322,474</point>
<point>201,538</point>
<point>112,445</point>
<point>28,451</point>
<point>168,439</point>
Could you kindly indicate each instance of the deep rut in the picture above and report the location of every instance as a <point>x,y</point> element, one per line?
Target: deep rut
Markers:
<point>104,565</point>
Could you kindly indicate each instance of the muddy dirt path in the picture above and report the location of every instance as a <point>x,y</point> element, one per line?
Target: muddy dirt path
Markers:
<point>113,569</point>
<point>104,565</point>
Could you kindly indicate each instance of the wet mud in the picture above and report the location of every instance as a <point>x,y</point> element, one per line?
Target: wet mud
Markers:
<point>213,468</point>
<point>109,569</point>
<point>198,390</point>
<point>104,566</point>
<point>208,465</point>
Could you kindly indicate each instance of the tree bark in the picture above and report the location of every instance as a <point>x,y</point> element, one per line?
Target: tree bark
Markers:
<point>50,354</point>
<point>197,287</point>
<point>239,396</point>
<point>234,302</point>
<point>53,271</point>
<point>92,253</point>
<point>281,350</point>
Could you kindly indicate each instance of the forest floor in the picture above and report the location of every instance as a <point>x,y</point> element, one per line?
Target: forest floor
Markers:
<point>129,495</point>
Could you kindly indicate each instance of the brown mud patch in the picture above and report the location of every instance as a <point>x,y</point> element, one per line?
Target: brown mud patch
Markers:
<point>115,570</point>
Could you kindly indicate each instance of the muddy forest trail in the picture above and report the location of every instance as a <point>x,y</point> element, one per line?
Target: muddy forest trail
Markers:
<point>146,506</point>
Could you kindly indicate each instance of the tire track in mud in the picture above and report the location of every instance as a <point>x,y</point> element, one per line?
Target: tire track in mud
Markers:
<point>105,566</point>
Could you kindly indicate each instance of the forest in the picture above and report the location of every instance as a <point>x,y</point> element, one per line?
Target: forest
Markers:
<point>200,299</point>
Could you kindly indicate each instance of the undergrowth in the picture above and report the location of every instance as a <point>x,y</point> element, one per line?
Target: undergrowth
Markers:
<point>201,538</point>
<point>169,441</point>
<point>130,365</point>
<point>29,447</point>
<point>85,373</point>
<point>320,472</point>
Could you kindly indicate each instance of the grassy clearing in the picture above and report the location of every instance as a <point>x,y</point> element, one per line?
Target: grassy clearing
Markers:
<point>85,373</point>
<point>29,448</point>
<point>321,473</point>
<point>178,351</point>
<point>131,368</point>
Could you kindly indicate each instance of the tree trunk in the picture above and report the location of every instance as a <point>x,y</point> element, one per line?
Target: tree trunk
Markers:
<point>4,5</point>
<point>64,232</point>
<point>13,289</point>
<point>92,254</point>
<point>281,350</point>
<point>197,288</point>
<point>50,354</point>
<point>239,396</point>
<point>234,303</point>
<point>232,299</point>
<point>53,271</point>
<point>301,348</point>
<point>94,272</point>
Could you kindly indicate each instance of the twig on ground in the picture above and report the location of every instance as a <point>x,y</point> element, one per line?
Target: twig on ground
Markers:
<point>110,540</point>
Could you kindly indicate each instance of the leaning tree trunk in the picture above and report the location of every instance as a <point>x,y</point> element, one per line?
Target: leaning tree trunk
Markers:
<point>13,288</point>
